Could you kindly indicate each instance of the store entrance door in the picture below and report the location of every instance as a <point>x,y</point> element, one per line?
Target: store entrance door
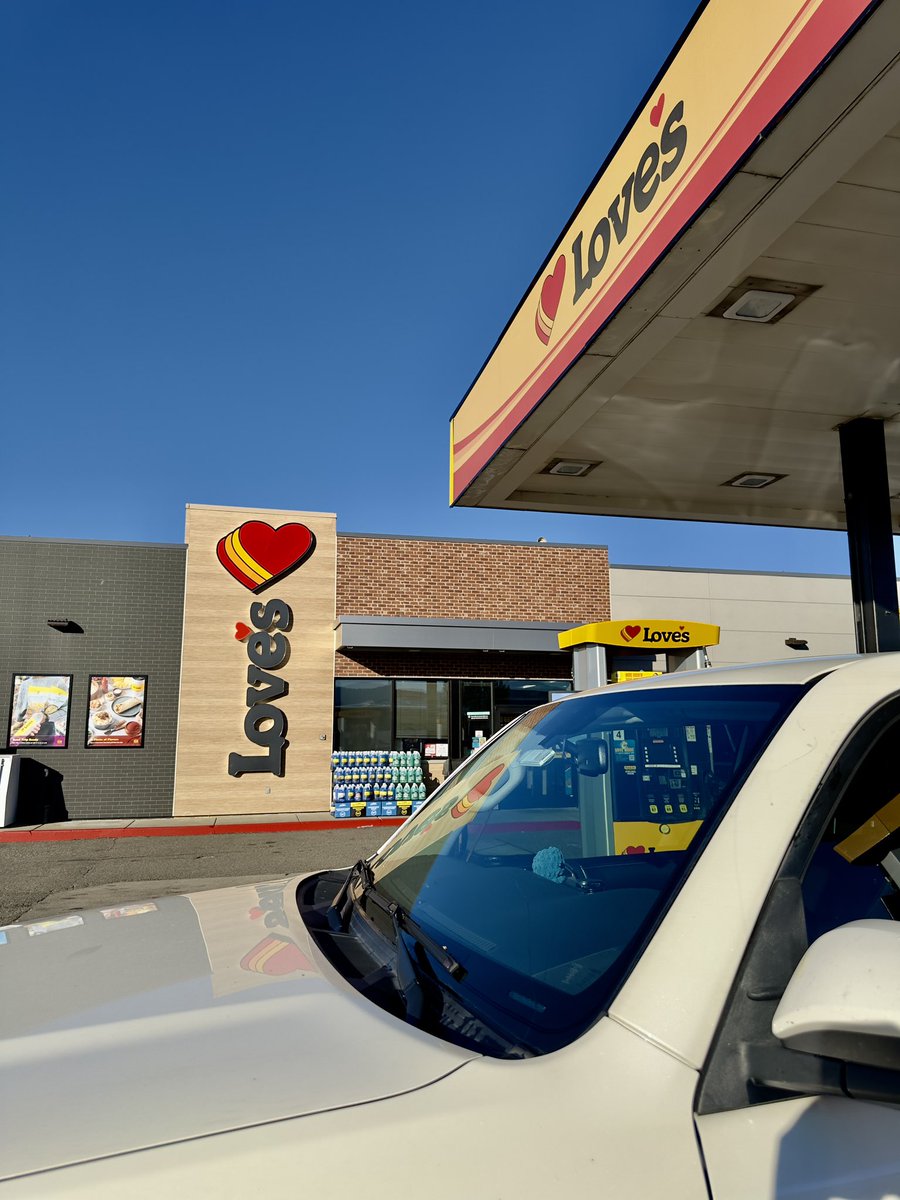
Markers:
<point>481,707</point>
<point>475,714</point>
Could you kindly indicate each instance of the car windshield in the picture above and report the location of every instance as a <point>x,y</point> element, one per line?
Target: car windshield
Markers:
<point>543,865</point>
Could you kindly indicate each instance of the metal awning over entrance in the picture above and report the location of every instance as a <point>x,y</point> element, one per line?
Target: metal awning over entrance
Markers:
<point>419,634</point>
<point>716,334</point>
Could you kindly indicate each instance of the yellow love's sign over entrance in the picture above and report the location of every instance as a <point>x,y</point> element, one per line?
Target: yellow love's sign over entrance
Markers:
<point>641,634</point>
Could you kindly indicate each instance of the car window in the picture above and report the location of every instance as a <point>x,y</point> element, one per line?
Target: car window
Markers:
<point>543,865</point>
<point>854,870</point>
<point>843,865</point>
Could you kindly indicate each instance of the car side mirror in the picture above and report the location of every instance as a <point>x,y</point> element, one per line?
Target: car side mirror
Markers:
<point>843,1000</point>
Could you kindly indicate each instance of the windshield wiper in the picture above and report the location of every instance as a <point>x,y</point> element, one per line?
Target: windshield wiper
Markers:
<point>408,982</point>
<point>338,910</point>
<point>403,921</point>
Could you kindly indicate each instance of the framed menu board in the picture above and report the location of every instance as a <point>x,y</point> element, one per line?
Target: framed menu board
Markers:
<point>116,711</point>
<point>39,712</point>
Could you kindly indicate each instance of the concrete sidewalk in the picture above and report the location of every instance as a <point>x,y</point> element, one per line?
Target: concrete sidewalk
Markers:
<point>65,831</point>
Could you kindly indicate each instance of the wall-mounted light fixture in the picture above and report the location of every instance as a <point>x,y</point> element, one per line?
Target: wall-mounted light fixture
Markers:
<point>64,625</point>
<point>796,643</point>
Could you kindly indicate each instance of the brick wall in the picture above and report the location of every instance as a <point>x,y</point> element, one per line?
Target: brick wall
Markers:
<point>129,601</point>
<point>475,581</point>
<point>476,664</point>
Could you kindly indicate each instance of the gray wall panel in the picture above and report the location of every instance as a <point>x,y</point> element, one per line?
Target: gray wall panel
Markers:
<point>129,600</point>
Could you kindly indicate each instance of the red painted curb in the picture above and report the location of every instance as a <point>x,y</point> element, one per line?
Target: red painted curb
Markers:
<point>76,835</point>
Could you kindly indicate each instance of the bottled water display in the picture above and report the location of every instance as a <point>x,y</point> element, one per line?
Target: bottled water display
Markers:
<point>376,783</point>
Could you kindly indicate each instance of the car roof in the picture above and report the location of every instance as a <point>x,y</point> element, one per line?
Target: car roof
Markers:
<point>787,670</point>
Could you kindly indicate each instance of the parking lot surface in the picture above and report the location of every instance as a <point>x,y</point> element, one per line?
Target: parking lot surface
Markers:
<point>48,878</point>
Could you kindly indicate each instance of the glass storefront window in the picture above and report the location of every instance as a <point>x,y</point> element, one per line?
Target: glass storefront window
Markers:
<point>363,713</point>
<point>422,709</point>
<point>515,696</point>
<point>406,714</point>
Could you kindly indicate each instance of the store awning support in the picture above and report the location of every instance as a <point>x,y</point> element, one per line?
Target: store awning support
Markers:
<point>873,576</point>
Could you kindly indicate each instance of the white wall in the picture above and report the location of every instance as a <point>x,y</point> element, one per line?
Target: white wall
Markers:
<point>756,611</point>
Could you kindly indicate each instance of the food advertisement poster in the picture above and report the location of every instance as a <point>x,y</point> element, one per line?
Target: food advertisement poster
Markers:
<point>39,713</point>
<point>116,711</point>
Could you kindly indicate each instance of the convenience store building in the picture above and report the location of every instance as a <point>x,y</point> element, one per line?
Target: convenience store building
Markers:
<point>263,651</point>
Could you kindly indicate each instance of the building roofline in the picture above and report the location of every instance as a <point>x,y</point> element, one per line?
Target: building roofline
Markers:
<point>6,537</point>
<point>415,537</point>
<point>727,571</point>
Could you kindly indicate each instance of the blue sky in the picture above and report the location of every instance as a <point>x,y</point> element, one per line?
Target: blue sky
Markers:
<point>255,251</point>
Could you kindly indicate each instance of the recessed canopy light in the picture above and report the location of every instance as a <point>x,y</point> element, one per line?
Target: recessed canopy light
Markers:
<point>761,301</point>
<point>569,466</point>
<point>752,479</point>
<point>756,305</point>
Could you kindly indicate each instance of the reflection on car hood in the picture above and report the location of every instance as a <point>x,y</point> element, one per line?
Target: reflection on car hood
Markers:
<point>148,1023</point>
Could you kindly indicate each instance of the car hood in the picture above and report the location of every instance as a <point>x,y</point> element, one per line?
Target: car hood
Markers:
<point>133,1026</point>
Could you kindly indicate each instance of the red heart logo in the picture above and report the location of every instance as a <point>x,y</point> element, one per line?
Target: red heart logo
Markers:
<point>656,110</point>
<point>257,555</point>
<point>635,850</point>
<point>241,631</point>
<point>681,627</point>
<point>630,632</point>
<point>548,305</point>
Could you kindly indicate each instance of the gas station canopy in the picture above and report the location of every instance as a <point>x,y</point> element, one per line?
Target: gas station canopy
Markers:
<point>726,297</point>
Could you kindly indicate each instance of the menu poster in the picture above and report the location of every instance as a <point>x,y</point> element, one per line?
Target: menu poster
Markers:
<point>39,713</point>
<point>116,711</point>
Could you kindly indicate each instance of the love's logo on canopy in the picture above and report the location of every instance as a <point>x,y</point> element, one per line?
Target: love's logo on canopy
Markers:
<point>610,226</point>
<point>256,555</point>
<point>548,302</point>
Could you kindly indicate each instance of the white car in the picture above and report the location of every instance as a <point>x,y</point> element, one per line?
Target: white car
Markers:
<point>640,945</point>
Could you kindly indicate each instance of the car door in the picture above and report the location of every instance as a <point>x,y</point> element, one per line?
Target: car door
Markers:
<point>774,1122</point>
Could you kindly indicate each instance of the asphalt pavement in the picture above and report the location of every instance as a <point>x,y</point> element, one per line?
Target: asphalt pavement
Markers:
<point>45,879</point>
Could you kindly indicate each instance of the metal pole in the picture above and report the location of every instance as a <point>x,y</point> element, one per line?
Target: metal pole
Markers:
<point>589,667</point>
<point>873,576</point>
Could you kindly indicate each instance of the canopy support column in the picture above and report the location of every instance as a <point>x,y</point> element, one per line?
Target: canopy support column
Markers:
<point>588,667</point>
<point>873,576</point>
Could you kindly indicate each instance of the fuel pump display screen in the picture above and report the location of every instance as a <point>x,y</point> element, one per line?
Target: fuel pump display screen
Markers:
<point>663,776</point>
<point>662,772</point>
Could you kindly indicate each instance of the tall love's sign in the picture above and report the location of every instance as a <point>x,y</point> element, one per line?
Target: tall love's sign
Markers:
<point>255,717</point>
<point>256,555</point>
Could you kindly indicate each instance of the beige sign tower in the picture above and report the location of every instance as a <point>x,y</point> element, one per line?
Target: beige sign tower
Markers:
<point>255,726</point>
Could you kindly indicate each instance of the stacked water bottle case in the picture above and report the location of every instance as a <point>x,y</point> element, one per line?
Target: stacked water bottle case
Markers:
<point>376,783</point>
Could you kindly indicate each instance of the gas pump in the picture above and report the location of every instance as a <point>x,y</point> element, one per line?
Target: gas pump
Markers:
<point>653,772</point>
